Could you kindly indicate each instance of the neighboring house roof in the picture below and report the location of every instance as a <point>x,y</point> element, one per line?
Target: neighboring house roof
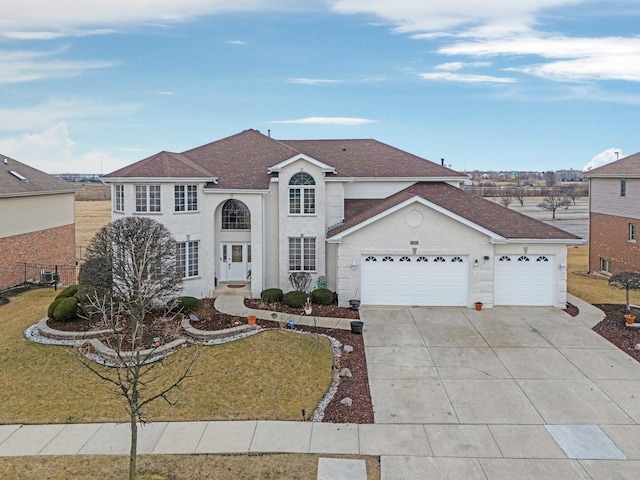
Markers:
<point>242,161</point>
<point>625,167</point>
<point>18,179</point>
<point>487,215</point>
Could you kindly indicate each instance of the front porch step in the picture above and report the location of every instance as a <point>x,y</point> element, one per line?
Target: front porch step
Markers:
<point>231,288</point>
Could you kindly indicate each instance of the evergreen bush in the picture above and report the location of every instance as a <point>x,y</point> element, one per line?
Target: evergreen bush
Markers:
<point>322,296</point>
<point>272,295</point>
<point>295,299</point>
<point>66,309</point>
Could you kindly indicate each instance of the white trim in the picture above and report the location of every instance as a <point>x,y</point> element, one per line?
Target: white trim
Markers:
<point>159,180</point>
<point>236,191</point>
<point>397,179</point>
<point>556,241</point>
<point>322,166</point>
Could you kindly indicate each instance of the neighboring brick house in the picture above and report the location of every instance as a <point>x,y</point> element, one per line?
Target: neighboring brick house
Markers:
<point>37,226</point>
<point>380,224</point>
<point>614,216</point>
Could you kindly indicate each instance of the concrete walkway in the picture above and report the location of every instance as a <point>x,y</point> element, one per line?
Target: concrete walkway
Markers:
<point>504,393</point>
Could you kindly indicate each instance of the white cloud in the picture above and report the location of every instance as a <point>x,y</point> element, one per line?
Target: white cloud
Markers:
<point>603,158</point>
<point>69,16</point>
<point>573,59</point>
<point>351,121</point>
<point>465,78</point>
<point>313,81</point>
<point>51,150</point>
<point>26,66</point>
<point>455,66</point>
<point>236,42</point>
<point>59,110</point>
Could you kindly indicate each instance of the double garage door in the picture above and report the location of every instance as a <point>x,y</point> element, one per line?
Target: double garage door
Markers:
<point>433,280</point>
<point>443,280</point>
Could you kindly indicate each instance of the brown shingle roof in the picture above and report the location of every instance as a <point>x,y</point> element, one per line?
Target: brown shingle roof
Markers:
<point>625,167</point>
<point>489,215</point>
<point>241,161</point>
<point>37,182</point>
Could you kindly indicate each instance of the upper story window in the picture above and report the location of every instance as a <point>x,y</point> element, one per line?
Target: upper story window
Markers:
<point>185,198</point>
<point>118,200</point>
<point>302,194</point>
<point>235,216</point>
<point>633,232</point>
<point>623,187</point>
<point>147,198</point>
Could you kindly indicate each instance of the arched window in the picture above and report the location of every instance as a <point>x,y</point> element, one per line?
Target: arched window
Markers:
<point>523,259</point>
<point>302,194</point>
<point>457,260</point>
<point>371,259</point>
<point>439,259</point>
<point>504,258</point>
<point>235,216</point>
<point>405,259</point>
<point>422,259</point>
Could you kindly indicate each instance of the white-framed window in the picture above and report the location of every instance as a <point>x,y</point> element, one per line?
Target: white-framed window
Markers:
<point>605,266</point>
<point>235,215</point>
<point>623,187</point>
<point>185,198</point>
<point>147,198</point>
<point>302,194</point>
<point>633,232</point>
<point>118,200</point>
<point>188,258</point>
<point>302,254</point>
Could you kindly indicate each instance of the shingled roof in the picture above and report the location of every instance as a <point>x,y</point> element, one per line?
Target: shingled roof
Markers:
<point>241,161</point>
<point>484,213</point>
<point>26,180</point>
<point>625,167</point>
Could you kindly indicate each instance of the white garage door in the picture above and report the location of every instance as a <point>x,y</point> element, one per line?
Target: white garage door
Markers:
<point>433,280</point>
<point>524,280</point>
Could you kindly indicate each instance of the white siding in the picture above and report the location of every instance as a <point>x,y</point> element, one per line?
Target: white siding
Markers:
<point>356,190</point>
<point>20,215</point>
<point>605,197</point>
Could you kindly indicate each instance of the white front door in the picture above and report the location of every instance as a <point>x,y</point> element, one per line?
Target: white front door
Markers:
<point>235,262</point>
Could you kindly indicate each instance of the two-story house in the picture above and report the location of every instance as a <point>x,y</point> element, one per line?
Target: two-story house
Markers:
<point>380,224</point>
<point>37,224</point>
<point>614,216</point>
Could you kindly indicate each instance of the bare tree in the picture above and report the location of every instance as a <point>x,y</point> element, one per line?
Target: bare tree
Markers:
<point>300,281</point>
<point>135,373</point>
<point>506,199</point>
<point>133,261</point>
<point>519,194</point>
<point>553,202</point>
<point>626,281</point>
<point>571,191</point>
<point>550,178</point>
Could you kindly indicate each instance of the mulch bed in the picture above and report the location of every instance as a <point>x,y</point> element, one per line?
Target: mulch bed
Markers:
<point>613,328</point>
<point>333,311</point>
<point>571,310</point>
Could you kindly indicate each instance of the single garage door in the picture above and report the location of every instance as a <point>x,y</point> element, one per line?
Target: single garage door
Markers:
<point>433,280</point>
<point>525,280</point>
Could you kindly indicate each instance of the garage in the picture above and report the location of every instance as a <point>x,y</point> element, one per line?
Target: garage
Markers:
<point>524,280</point>
<point>419,280</point>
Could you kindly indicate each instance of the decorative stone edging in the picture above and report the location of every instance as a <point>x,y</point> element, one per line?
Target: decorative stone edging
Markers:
<point>47,331</point>
<point>148,355</point>
<point>213,334</point>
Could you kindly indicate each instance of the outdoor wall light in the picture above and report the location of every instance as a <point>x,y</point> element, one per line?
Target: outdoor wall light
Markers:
<point>563,267</point>
<point>354,265</point>
<point>475,264</point>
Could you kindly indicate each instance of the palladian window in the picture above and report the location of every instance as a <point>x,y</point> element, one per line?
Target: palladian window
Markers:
<point>235,216</point>
<point>302,194</point>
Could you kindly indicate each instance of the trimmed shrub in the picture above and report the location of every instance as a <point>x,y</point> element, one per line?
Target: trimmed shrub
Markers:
<point>70,291</point>
<point>295,299</point>
<point>322,296</point>
<point>52,307</point>
<point>186,305</point>
<point>66,310</point>
<point>272,295</point>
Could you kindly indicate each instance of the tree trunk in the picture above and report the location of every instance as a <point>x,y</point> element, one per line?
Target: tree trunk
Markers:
<point>628,307</point>
<point>133,452</point>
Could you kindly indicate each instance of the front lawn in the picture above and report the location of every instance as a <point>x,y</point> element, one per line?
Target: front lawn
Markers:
<point>270,376</point>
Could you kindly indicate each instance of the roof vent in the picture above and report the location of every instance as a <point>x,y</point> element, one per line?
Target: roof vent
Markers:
<point>18,176</point>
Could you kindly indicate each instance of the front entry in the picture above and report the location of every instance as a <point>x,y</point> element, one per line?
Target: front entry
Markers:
<point>235,262</point>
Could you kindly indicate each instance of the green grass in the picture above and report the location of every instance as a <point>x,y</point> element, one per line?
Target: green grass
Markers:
<point>271,376</point>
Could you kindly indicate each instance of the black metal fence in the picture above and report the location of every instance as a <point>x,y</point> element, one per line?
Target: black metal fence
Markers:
<point>45,275</point>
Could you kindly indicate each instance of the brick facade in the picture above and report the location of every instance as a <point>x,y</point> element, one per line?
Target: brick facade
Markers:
<point>53,246</point>
<point>609,239</point>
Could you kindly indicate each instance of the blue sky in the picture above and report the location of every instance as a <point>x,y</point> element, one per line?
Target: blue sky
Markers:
<point>90,86</point>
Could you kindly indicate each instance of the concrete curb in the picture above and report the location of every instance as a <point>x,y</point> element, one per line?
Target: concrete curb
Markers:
<point>47,331</point>
<point>148,355</point>
<point>210,335</point>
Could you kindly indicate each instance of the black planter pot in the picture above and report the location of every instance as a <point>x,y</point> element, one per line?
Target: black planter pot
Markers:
<point>354,304</point>
<point>356,327</point>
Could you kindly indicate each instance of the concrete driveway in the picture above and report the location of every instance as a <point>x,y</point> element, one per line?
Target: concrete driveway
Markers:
<point>510,392</point>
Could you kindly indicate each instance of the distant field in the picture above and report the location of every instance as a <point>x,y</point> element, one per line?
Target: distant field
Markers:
<point>93,192</point>
<point>90,217</point>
